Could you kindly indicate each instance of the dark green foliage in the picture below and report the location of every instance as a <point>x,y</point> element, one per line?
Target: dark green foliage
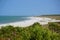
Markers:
<point>33,32</point>
<point>55,27</point>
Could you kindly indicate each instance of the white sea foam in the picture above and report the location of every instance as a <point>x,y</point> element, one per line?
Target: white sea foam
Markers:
<point>32,20</point>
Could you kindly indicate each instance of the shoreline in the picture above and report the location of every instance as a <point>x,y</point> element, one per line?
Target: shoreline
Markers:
<point>32,20</point>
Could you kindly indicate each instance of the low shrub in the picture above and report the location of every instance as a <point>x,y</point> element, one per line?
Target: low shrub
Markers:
<point>33,32</point>
<point>54,26</point>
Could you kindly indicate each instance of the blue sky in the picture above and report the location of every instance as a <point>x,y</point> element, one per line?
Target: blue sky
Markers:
<point>29,7</point>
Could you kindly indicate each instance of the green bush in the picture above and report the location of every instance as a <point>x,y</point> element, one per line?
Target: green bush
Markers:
<point>33,32</point>
<point>55,27</point>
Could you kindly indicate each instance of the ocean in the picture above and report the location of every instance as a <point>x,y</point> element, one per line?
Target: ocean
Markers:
<point>9,19</point>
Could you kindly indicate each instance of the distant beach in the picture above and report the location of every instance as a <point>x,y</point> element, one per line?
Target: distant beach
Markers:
<point>27,21</point>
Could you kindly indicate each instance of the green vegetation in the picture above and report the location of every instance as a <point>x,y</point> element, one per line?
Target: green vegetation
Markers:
<point>55,27</point>
<point>33,32</point>
<point>51,16</point>
<point>54,17</point>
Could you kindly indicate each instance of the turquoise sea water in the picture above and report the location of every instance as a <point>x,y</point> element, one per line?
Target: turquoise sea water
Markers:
<point>8,19</point>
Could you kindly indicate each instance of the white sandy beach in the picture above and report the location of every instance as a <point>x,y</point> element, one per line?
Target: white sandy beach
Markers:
<point>32,20</point>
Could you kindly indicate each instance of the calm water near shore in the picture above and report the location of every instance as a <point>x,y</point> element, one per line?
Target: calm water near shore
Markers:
<point>8,19</point>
